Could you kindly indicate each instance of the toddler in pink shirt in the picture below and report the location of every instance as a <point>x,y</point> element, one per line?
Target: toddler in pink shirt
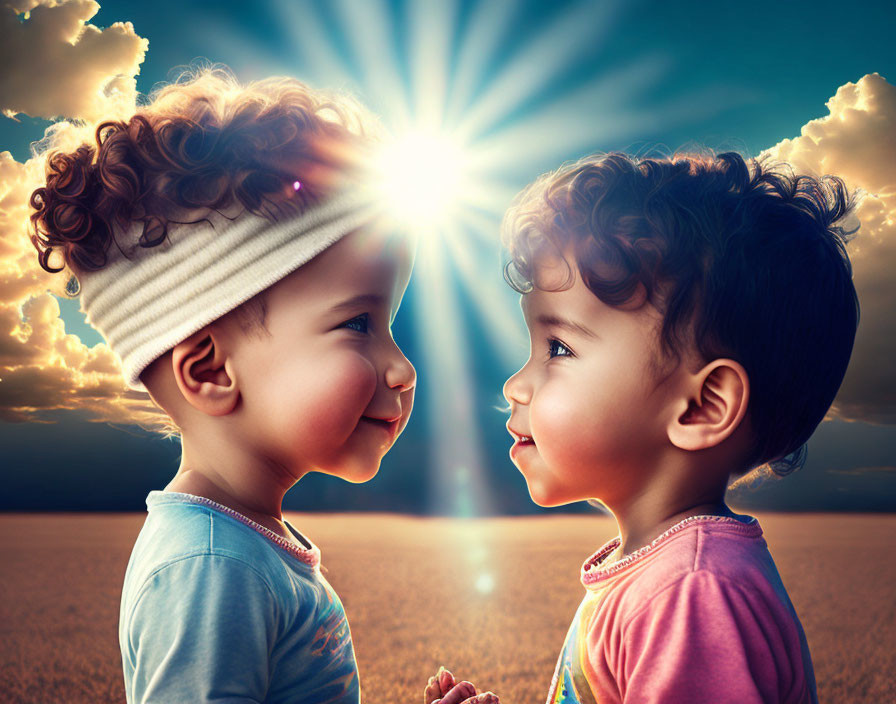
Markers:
<point>691,319</point>
<point>698,615</point>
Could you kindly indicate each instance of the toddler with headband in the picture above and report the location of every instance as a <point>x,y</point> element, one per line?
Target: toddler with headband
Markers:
<point>228,251</point>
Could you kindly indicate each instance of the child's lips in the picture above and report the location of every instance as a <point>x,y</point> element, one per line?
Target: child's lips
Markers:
<point>518,436</point>
<point>519,447</point>
<point>521,441</point>
<point>389,425</point>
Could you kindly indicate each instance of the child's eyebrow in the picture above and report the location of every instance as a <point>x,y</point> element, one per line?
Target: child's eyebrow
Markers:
<point>359,301</point>
<point>549,320</point>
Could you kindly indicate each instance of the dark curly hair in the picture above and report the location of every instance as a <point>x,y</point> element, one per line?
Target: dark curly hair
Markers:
<point>743,261</point>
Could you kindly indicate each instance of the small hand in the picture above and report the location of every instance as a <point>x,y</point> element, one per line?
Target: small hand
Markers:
<point>484,698</point>
<point>442,688</point>
<point>459,694</point>
<point>438,686</point>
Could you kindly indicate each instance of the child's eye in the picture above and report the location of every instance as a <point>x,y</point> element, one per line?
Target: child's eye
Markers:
<point>558,349</point>
<point>358,323</point>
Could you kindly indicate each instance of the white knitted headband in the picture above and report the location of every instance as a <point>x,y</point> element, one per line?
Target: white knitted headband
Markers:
<point>146,304</point>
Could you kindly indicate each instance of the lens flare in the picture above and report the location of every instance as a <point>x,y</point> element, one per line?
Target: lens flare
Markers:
<point>485,583</point>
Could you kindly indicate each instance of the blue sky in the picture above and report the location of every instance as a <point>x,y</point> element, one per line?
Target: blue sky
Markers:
<point>541,83</point>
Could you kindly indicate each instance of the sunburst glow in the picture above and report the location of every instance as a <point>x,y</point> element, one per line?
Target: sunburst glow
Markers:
<point>479,105</point>
<point>423,176</point>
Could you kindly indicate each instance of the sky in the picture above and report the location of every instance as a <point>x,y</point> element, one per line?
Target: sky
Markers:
<point>521,87</point>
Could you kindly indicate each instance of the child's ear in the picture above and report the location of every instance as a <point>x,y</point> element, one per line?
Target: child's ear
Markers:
<point>712,407</point>
<point>203,372</point>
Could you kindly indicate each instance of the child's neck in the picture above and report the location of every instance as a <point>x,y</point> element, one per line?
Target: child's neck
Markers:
<point>230,475</point>
<point>200,484</point>
<point>196,483</point>
<point>636,534</point>
<point>678,489</point>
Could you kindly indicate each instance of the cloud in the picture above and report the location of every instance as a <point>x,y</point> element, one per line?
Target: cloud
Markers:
<point>42,368</point>
<point>857,141</point>
<point>55,64</point>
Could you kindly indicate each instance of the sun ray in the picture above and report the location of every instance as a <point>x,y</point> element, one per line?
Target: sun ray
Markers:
<point>314,48</point>
<point>486,28</point>
<point>430,27</point>
<point>496,302</point>
<point>557,128</point>
<point>539,62</point>
<point>373,41</point>
<point>457,486</point>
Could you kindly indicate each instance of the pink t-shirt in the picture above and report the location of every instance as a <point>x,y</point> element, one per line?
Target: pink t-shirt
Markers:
<point>699,615</point>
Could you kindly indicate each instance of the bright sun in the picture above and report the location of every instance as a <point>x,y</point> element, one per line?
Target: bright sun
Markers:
<point>423,175</point>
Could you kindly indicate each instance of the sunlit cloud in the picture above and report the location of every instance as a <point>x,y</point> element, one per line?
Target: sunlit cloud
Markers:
<point>57,64</point>
<point>43,368</point>
<point>855,141</point>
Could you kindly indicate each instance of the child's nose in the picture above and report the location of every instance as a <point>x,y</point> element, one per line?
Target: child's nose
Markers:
<point>516,389</point>
<point>400,373</point>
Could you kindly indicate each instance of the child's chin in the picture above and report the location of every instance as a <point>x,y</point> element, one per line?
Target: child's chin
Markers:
<point>354,471</point>
<point>550,497</point>
<point>360,474</point>
<point>544,498</point>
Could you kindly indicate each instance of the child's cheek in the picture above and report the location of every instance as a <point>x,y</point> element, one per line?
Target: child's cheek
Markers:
<point>333,396</point>
<point>559,426</point>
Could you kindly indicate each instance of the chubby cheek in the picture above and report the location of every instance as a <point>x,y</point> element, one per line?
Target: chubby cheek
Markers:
<point>562,426</point>
<point>330,399</point>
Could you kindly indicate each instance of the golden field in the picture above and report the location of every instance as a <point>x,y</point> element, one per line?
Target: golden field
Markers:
<point>491,599</point>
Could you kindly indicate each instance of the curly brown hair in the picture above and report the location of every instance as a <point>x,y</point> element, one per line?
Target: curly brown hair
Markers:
<point>744,261</point>
<point>204,143</point>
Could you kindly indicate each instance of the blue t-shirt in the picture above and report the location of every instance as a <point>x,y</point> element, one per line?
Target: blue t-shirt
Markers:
<point>216,608</point>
